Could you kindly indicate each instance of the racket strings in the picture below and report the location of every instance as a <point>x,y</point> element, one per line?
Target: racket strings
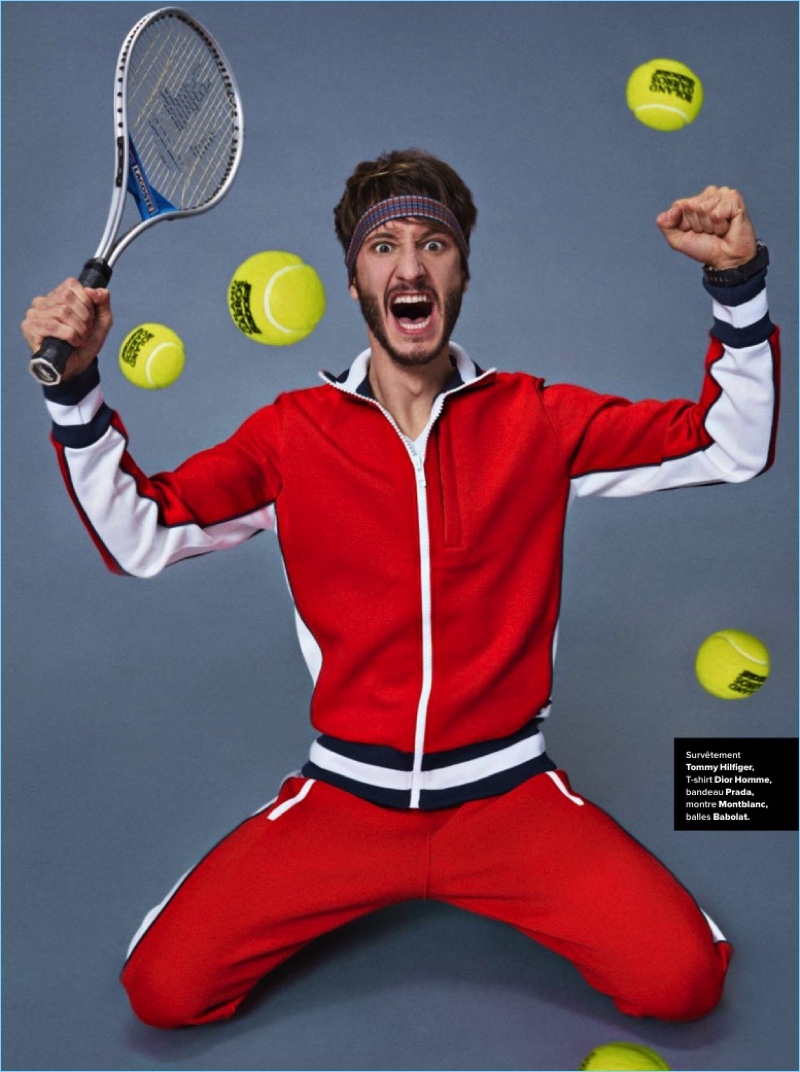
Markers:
<point>182,113</point>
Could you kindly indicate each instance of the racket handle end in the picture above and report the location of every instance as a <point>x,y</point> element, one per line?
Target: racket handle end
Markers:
<point>48,363</point>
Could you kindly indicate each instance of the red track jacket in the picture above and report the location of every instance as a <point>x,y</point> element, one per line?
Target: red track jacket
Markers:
<point>427,590</point>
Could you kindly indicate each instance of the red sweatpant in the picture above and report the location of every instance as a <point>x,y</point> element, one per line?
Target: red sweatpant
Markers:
<point>541,858</point>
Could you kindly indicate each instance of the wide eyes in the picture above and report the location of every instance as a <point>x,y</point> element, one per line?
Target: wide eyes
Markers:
<point>431,245</point>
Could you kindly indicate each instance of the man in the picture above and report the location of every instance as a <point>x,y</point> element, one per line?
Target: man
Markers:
<point>420,502</point>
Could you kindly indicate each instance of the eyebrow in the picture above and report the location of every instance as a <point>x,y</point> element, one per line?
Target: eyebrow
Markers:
<point>431,228</point>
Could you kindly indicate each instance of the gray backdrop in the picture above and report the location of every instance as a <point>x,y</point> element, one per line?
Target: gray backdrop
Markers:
<point>144,720</point>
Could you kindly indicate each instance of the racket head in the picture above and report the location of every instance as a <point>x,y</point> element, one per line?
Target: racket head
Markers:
<point>179,125</point>
<point>179,135</point>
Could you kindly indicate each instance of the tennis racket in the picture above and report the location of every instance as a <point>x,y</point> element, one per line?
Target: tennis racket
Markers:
<point>178,131</point>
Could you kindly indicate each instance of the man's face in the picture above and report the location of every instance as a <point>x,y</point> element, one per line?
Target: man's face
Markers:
<point>409,280</point>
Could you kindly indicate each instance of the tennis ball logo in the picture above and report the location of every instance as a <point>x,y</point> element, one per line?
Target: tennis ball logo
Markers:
<point>664,94</point>
<point>732,665</point>
<point>152,356</point>
<point>275,298</point>
<point>623,1055</point>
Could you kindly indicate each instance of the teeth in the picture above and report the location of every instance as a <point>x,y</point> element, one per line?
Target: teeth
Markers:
<point>409,323</point>
<point>410,299</point>
<point>411,326</point>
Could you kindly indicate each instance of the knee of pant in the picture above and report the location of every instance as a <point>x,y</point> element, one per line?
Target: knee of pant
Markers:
<point>160,1000</point>
<point>688,989</point>
<point>150,1000</point>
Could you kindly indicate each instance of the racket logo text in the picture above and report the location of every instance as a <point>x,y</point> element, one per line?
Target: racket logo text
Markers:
<point>143,195</point>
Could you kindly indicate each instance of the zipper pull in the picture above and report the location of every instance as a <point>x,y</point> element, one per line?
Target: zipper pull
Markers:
<point>419,465</point>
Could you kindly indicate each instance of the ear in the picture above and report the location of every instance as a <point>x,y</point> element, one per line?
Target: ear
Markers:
<point>353,291</point>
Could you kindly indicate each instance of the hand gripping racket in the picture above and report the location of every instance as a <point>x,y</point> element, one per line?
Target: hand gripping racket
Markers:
<point>178,139</point>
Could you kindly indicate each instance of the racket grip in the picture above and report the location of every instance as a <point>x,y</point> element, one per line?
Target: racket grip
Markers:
<point>48,363</point>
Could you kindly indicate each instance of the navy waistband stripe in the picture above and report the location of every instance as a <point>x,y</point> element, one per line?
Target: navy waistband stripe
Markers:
<point>375,794</point>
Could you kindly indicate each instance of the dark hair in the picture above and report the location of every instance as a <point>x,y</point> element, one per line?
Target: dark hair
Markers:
<point>402,171</point>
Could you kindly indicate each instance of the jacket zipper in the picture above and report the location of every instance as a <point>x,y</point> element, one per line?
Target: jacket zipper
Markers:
<point>425,574</point>
<point>427,632</point>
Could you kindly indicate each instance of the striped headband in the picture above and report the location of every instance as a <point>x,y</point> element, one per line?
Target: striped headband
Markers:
<point>395,208</point>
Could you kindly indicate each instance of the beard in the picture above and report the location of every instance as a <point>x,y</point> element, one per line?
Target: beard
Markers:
<point>422,353</point>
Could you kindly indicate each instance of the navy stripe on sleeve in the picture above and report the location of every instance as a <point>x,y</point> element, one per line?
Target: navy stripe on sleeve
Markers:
<point>739,338</point>
<point>71,392</point>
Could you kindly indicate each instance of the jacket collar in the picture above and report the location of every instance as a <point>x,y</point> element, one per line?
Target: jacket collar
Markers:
<point>355,380</point>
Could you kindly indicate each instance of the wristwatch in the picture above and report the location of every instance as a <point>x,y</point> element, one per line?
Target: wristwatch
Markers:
<point>732,277</point>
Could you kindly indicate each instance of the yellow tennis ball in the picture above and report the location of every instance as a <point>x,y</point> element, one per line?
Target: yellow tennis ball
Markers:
<point>732,665</point>
<point>623,1055</point>
<point>664,94</point>
<point>152,356</point>
<point>275,298</point>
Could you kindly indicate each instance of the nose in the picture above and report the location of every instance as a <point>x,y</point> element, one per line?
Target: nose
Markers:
<point>410,264</point>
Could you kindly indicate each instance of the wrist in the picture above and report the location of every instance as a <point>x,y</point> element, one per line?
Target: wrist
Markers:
<point>732,277</point>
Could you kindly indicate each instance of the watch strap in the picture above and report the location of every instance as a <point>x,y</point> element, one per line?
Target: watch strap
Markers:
<point>733,277</point>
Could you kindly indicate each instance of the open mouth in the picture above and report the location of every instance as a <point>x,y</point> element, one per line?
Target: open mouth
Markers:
<point>412,311</point>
